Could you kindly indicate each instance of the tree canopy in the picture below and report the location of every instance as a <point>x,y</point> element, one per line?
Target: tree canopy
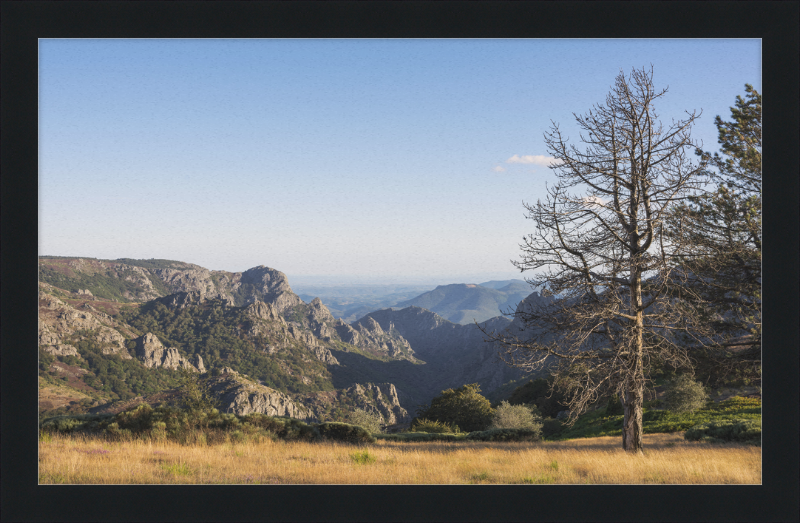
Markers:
<point>464,407</point>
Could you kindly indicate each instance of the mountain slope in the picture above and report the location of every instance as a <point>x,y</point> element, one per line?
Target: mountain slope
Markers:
<point>95,350</point>
<point>132,325</point>
<point>454,354</point>
<point>466,303</point>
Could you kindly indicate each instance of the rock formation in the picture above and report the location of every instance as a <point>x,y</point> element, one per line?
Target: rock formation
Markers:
<point>380,398</point>
<point>241,396</point>
<point>152,354</point>
<point>59,322</point>
<point>367,334</point>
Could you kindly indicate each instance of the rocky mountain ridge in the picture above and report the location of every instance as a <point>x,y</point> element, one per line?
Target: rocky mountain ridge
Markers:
<point>387,362</point>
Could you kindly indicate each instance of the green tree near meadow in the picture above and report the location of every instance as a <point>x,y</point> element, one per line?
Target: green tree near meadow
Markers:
<point>724,226</point>
<point>465,407</point>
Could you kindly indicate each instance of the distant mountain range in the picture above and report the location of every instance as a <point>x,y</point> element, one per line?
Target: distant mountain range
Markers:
<point>468,303</point>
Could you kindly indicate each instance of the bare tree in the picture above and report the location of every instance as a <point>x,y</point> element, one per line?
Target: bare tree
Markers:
<point>604,257</point>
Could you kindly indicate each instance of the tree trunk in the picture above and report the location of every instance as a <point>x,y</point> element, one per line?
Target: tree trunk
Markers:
<point>632,420</point>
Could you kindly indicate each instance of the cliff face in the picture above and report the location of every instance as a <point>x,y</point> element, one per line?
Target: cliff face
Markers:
<point>152,353</point>
<point>378,398</point>
<point>60,322</point>
<point>241,396</point>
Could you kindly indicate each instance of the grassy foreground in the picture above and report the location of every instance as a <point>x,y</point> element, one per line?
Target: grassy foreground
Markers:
<point>668,458</point>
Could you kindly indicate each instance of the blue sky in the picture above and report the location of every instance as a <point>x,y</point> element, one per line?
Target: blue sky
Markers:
<point>348,160</point>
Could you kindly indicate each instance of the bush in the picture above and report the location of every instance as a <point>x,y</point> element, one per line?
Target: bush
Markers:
<point>685,395</point>
<point>75,423</point>
<point>371,421</point>
<point>551,428</point>
<point>506,435</point>
<point>433,427</point>
<point>137,419</point>
<point>362,458</point>
<point>417,437</point>
<point>507,416</point>
<point>464,406</point>
<point>344,432</point>
<point>655,415</point>
<point>736,430</point>
<point>614,406</point>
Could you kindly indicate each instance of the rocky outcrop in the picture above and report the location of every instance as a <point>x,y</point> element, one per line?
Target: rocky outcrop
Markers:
<point>324,355</point>
<point>264,284</point>
<point>59,322</point>
<point>264,311</point>
<point>241,396</point>
<point>368,334</point>
<point>379,398</point>
<point>181,300</point>
<point>152,354</point>
<point>61,350</point>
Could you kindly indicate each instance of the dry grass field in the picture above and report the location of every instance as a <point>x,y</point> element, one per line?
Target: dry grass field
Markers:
<point>668,459</point>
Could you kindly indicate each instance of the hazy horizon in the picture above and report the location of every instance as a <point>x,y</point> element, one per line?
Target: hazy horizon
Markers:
<point>346,160</point>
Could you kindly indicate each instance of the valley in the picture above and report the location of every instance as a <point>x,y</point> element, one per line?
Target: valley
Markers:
<point>118,332</point>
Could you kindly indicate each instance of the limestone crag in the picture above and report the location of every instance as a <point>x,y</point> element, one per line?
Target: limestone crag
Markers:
<point>379,398</point>
<point>264,311</point>
<point>367,334</point>
<point>241,396</point>
<point>61,350</point>
<point>324,355</point>
<point>265,284</point>
<point>268,324</point>
<point>152,354</point>
<point>181,300</point>
<point>59,322</point>
<point>195,280</point>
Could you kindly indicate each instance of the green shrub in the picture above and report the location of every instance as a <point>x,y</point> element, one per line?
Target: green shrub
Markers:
<point>507,416</point>
<point>433,427</point>
<point>417,437</point>
<point>296,430</point>
<point>685,395</point>
<point>551,428</point>
<point>345,432</point>
<point>362,458</point>
<point>505,435</point>
<point>655,415</point>
<point>464,406</point>
<point>371,421</point>
<point>614,406</point>
<point>75,423</point>
<point>736,430</point>
<point>138,419</point>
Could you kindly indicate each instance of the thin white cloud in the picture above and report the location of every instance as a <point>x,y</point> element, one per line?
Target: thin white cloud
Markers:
<point>499,169</point>
<point>535,159</point>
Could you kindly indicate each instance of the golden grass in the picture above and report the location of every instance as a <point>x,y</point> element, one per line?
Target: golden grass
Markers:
<point>668,458</point>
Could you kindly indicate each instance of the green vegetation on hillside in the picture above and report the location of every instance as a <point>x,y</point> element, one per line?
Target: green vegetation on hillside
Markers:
<point>111,287</point>
<point>120,378</point>
<point>154,263</point>
<point>214,331</point>
<point>598,423</point>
